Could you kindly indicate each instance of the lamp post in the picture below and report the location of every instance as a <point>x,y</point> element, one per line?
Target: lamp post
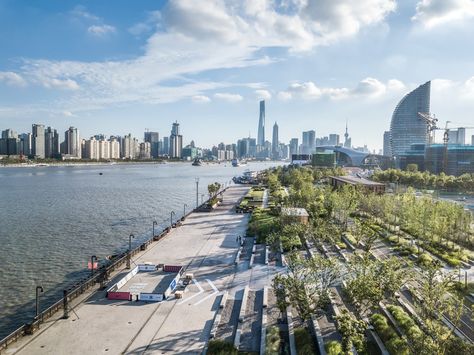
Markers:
<point>38,290</point>
<point>197,192</point>
<point>155,223</point>
<point>93,257</point>
<point>171,218</point>
<point>184,210</point>
<point>129,250</point>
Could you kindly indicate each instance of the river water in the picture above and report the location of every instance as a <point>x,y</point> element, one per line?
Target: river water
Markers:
<point>52,219</point>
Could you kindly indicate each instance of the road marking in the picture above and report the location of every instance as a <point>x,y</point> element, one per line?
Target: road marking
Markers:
<point>216,291</point>
<point>201,290</point>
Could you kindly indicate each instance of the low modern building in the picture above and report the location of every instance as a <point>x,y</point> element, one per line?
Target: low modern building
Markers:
<point>452,160</point>
<point>368,185</point>
<point>295,215</point>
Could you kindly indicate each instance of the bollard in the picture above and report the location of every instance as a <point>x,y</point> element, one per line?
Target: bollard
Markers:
<point>65,305</point>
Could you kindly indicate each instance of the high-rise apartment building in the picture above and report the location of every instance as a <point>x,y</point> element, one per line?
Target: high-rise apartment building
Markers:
<point>51,143</point>
<point>275,143</point>
<point>9,143</point>
<point>309,142</point>
<point>153,138</point>
<point>261,125</point>
<point>26,144</point>
<point>166,146</point>
<point>407,127</point>
<point>176,142</point>
<point>38,141</point>
<point>72,143</point>
<point>293,146</point>
<point>386,144</point>
<point>334,139</point>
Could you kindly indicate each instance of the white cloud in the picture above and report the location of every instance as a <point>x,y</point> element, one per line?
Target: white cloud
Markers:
<point>368,87</point>
<point>432,13</point>
<point>101,30</point>
<point>54,83</point>
<point>200,99</point>
<point>12,79</point>
<point>228,97</point>
<point>263,94</point>
<point>192,39</point>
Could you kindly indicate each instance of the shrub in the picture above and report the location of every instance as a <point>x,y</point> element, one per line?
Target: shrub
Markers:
<point>304,342</point>
<point>220,347</point>
<point>406,323</point>
<point>425,259</point>
<point>273,341</point>
<point>333,347</point>
<point>393,343</point>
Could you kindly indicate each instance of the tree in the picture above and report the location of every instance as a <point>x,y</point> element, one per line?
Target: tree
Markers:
<point>323,273</point>
<point>436,300</point>
<point>213,189</point>
<point>370,281</point>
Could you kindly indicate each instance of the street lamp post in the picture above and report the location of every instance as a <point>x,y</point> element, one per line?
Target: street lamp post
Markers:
<point>197,192</point>
<point>38,290</point>
<point>171,218</point>
<point>129,250</point>
<point>184,210</point>
<point>93,257</point>
<point>155,223</point>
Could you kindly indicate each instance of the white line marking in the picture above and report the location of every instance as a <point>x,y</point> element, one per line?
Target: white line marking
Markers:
<point>201,290</point>
<point>216,291</point>
<point>212,285</point>
<point>205,298</point>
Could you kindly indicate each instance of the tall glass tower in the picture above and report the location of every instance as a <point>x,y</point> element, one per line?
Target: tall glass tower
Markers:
<point>407,127</point>
<point>261,125</point>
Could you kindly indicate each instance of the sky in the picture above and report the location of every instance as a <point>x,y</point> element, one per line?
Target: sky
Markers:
<point>118,66</point>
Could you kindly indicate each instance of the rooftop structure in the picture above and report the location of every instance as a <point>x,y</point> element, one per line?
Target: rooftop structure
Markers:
<point>338,181</point>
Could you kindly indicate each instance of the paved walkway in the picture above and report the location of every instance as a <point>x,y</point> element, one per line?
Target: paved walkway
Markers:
<point>206,243</point>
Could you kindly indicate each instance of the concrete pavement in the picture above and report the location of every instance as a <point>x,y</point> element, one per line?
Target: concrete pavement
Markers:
<point>206,244</point>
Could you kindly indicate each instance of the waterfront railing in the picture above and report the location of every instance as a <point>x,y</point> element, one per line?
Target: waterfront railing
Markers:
<point>80,287</point>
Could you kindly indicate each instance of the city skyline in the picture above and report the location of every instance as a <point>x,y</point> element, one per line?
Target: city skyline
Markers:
<point>131,65</point>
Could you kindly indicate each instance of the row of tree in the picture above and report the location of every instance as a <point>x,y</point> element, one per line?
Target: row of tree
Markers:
<point>426,180</point>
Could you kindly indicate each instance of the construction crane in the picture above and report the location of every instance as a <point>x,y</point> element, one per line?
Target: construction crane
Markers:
<point>431,122</point>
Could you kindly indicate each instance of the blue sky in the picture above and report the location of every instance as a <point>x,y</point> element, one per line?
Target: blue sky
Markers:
<point>118,66</point>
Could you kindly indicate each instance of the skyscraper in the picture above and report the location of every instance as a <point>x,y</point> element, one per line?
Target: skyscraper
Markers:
<point>309,142</point>
<point>176,142</point>
<point>51,143</point>
<point>334,139</point>
<point>386,144</point>
<point>38,141</point>
<point>72,143</point>
<point>275,144</point>
<point>293,146</point>
<point>261,125</point>
<point>153,138</point>
<point>407,127</point>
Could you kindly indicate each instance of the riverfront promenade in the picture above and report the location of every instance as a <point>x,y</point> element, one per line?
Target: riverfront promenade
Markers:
<point>206,243</point>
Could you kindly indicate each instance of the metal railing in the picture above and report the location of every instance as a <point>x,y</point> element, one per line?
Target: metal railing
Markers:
<point>84,284</point>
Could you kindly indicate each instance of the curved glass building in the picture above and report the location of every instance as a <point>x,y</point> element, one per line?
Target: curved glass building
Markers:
<point>407,127</point>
